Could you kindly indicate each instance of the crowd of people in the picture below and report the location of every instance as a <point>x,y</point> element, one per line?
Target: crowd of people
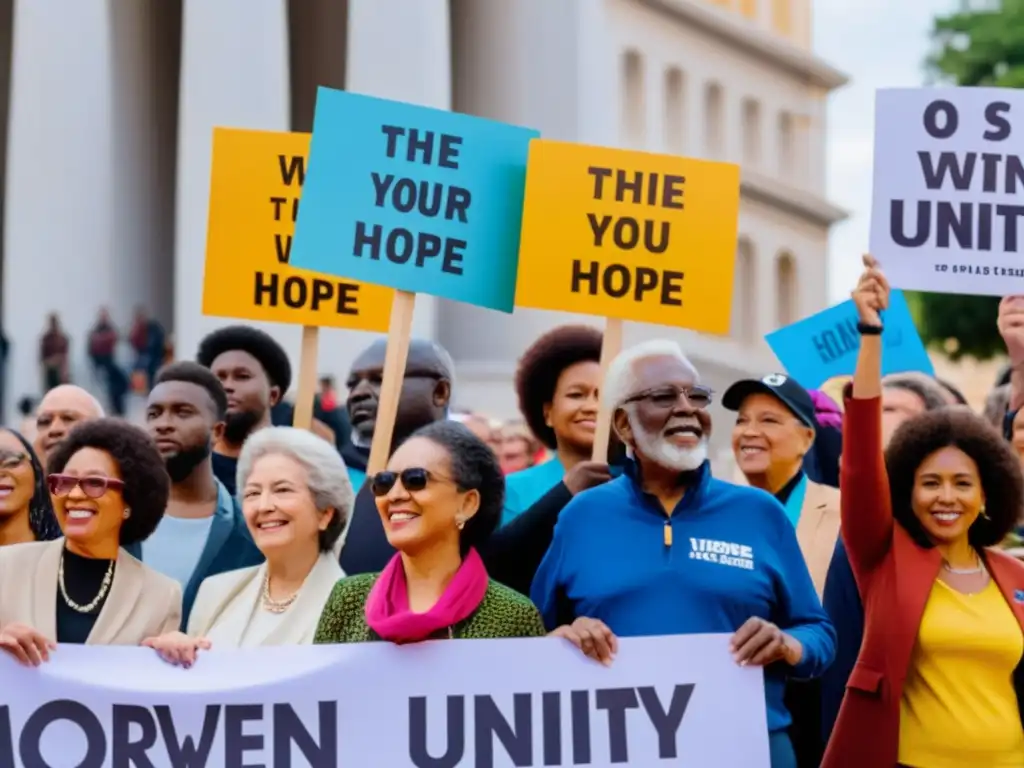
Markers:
<point>865,562</point>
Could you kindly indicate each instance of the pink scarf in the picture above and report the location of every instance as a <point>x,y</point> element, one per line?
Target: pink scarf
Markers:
<point>387,607</point>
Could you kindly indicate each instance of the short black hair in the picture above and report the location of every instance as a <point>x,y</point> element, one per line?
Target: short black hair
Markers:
<point>259,344</point>
<point>542,364</point>
<point>474,467</point>
<point>201,376</point>
<point>998,466</point>
<point>146,483</point>
<point>953,389</point>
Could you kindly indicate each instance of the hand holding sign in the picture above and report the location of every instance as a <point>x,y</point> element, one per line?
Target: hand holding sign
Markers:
<point>871,296</point>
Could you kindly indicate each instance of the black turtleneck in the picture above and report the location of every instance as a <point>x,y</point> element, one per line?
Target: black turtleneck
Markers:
<point>787,490</point>
<point>83,578</point>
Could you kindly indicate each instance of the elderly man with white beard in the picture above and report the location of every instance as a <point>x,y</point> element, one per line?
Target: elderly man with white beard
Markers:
<point>668,549</point>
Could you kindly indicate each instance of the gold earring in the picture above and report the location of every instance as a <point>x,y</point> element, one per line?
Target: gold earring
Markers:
<point>127,513</point>
<point>460,523</point>
<point>983,513</point>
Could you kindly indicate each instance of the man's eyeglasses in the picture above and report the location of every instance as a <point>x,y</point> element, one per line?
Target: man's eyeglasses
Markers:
<point>92,486</point>
<point>668,396</point>
<point>413,479</point>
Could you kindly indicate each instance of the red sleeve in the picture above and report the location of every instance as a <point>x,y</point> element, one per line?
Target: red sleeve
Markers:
<point>865,503</point>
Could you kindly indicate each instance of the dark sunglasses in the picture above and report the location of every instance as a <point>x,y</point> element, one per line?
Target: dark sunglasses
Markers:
<point>12,459</point>
<point>413,479</point>
<point>667,397</point>
<point>92,486</point>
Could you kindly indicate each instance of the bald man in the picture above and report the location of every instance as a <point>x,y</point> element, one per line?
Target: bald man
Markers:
<point>59,410</point>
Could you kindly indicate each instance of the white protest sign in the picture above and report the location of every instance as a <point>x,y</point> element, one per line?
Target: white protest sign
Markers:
<point>947,214</point>
<point>672,701</point>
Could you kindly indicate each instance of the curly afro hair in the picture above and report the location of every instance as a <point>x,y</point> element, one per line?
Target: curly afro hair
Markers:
<point>146,484</point>
<point>245,338</point>
<point>474,467</point>
<point>200,375</point>
<point>998,467</point>
<point>542,364</point>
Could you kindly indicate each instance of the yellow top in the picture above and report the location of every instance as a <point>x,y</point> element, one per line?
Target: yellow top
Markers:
<point>959,707</point>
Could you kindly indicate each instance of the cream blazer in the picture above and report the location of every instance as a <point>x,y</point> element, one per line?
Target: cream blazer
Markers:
<point>141,604</point>
<point>227,603</point>
<point>817,531</point>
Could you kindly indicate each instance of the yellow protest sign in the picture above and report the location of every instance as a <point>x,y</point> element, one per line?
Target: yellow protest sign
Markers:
<point>255,188</point>
<point>629,235</point>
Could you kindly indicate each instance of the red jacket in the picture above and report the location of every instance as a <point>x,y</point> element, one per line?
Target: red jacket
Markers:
<point>895,577</point>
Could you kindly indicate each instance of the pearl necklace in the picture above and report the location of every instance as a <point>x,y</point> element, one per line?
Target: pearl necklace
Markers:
<point>272,605</point>
<point>108,578</point>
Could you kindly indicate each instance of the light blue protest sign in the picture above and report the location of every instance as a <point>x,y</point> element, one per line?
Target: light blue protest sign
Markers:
<point>417,199</point>
<point>824,345</point>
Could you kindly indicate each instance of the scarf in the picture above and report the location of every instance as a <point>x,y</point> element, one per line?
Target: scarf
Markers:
<point>387,606</point>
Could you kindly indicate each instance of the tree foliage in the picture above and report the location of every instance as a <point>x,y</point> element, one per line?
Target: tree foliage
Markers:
<point>981,44</point>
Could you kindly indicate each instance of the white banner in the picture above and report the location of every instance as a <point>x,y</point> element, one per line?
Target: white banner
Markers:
<point>946,214</point>
<point>678,701</point>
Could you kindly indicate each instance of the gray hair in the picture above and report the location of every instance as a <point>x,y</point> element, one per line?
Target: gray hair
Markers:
<point>328,482</point>
<point>926,388</point>
<point>620,381</point>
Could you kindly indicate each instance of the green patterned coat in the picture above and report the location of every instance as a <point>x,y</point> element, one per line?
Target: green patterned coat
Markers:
<point>502,613</point>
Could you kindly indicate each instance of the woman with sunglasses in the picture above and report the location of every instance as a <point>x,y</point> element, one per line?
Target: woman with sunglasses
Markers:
<point>109,490</point>
<point>440,496</point>
<point>296,498</point>
<point>26,513</point>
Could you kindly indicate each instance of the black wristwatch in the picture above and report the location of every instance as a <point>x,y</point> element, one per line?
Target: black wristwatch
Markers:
<point>869,330</point>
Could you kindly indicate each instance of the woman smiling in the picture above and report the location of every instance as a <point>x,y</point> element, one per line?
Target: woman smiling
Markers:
<point>296,498</point>
<point>775,429</point>
<point>557,383</point>
<point>938,683</point>
<point>439,497</point>
<point>26,512</point>
<point>109,490</point>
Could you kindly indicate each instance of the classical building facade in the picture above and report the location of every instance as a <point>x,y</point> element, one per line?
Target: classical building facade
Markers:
<point>111,105</point>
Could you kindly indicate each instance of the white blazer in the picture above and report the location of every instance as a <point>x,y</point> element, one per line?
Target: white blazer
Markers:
<point>228,602</point>
<point>141,603</point>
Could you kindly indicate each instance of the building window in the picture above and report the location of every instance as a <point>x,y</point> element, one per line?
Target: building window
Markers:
<point>744,296</point>
<point>675,111</point>
<point>634,127</point>
<point>787,308</point>
<point>751,132</point>
<point>787,145</point>
<point>714,120</point>
<point>782,17</point>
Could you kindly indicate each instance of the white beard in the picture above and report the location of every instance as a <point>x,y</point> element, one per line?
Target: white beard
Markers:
<point>674,457</point>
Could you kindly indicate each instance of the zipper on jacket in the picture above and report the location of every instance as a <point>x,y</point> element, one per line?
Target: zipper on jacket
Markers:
<point>668,532</point>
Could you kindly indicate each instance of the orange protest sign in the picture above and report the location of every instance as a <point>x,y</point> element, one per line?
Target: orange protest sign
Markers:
<point>255,188</point>
<point>629,235</point>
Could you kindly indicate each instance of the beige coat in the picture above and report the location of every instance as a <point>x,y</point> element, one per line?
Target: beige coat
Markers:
<point>142,603</point>
<point>228,602</point>
<point>818,530</point>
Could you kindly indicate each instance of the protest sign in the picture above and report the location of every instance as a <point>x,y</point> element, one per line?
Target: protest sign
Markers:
<point>824,345</point>
<point>629,235</point>
<point>671,701</point>
<point>946,214</point>
<point>255,186</point>
<point>422,200</point>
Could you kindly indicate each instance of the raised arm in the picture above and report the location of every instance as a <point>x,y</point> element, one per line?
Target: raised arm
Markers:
<point>865,503</point>
<point>1011,328</point>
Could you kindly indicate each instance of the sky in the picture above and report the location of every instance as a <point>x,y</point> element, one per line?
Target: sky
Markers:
<point>878,43</point>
